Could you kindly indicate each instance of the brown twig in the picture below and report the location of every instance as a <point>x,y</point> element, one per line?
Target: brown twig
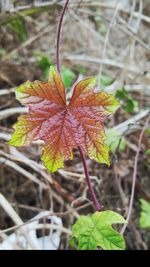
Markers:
<point>134,176</point>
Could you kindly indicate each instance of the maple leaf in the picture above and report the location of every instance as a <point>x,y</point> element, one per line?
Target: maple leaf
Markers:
<point>63,126</point>
<point>92,231</point>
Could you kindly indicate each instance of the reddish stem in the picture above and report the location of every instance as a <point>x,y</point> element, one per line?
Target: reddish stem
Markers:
<point>94,198</point>
<point>59,35</point>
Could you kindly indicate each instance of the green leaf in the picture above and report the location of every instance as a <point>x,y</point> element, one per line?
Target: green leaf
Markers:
<point>114,140</point>
<point>2,52</point>
<point>68,76</point>
<point>122,94</point>
<point>98,18</point>
<point>91,232</point>
<point>129,104</point>
<point>144,220</point>
<point>148,130</point>
<point>44,63</point>
<point>18,26</point>
<point>148,151</point>
<point>81,69</point>
<point>105,81</point>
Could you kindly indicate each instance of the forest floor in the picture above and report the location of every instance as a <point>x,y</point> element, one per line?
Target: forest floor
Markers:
<point>107,39</point>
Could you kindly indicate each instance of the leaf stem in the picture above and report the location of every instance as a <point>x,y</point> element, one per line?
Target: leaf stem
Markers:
<point>58,35</point>
<point>94,198</point>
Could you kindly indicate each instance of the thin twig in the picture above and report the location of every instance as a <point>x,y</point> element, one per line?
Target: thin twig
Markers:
<point>7,91</point>
<point>11,111</point>
<point>136,28</point>
<point>132,123</point>
<point>128,30</point>
<point>107,61</point>
<point>18,156</point>
<point>106,5</point>
<point>17,220</point>
<point>19,169</point>
<point>103,53</point>
<point>44,30</point>
<point>134,175</point>
<point>45,215</point>
<point>52,226</point>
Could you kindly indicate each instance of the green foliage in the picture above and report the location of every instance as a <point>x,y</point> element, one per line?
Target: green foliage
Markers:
<point>148,131</point>
<point>144,221</point>
<point>18,27</point>
<point>68,77</point>
<point>44,63</point>
<point>2,52</point>
<point>129,104</point>
<point>114,140</point>
<point>101,26</point>
<point>81,69</point>
<point>105,81</point>
<point>97,18</point>
<point>148,151</point>
<point>94,231</point>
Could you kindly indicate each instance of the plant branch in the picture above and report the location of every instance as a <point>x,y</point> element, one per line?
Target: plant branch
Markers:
<point>58,36</point>
<point>95,201</point>
<point>94,198</point>
<point>134,176</point>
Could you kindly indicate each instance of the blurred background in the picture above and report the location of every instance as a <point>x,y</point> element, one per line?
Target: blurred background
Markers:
<point>108,39</point>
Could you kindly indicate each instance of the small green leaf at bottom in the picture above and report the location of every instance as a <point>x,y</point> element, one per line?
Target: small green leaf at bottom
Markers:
<point>144,221</point>
<point>94,231</point>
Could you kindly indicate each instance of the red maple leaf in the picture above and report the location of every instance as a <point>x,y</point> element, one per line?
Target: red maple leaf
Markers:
<point>63,126</point>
